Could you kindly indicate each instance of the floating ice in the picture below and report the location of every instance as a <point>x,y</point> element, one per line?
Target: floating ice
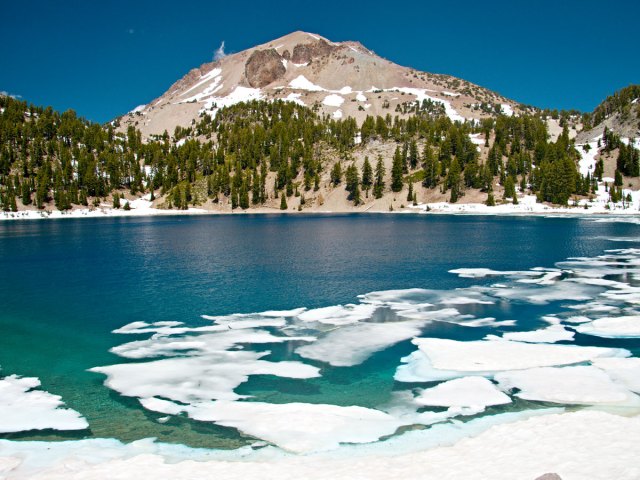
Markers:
<point>625,371</point>
<point>338,314</point>
<point>300,427</point>
<point>22,408</point>
<point>197,379</point>
<point>613,327</point>
<point>474,392</point>
<point>441,359</point>
<point>551,334</point>
<point>353,344</point>
<point>584,385</point>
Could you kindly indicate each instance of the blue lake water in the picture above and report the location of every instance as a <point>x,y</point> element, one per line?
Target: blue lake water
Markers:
<point>66,285</point>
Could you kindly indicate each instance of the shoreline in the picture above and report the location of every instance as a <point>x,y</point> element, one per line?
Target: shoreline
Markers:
<point>470,209</point>
<point>572,444</point>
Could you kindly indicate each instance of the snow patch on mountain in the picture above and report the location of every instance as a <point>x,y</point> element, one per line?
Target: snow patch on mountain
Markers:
<point>333,100</point>
<point>301,83</point>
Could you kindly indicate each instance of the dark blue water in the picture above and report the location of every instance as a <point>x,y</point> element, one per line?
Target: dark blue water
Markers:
<point>65,285</point>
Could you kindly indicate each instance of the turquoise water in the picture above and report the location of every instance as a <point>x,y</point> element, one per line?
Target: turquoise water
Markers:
<point>66,285</point>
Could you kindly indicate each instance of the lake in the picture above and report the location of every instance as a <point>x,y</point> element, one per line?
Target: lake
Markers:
<point>280,309</point>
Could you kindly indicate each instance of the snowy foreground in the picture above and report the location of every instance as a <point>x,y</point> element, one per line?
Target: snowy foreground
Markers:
<point>579,445</point>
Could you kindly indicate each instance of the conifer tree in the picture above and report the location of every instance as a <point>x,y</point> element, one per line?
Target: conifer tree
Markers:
<point>396,171</point>
<point>378,187</point>
<point>453,181</point>
<point>283,201</point>
<point>367,175</point>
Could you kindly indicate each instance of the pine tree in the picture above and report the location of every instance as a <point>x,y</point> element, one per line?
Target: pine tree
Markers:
<point>396,171</point>
<point>116,201</point>
<point>336,174</point>
<point>413,154</point>
<point>431,173</point>
<point>283,201</point>
<point>378,187</point>
<point>367,175</point>
<point>453,181</point>
<point>410,193</point>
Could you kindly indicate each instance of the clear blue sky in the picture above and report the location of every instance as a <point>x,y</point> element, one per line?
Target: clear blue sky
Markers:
<point>104,58</point>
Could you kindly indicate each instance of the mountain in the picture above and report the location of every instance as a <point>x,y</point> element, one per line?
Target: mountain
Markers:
<point>343,79</point>
<point>619,113</point>
<point>305,124</point>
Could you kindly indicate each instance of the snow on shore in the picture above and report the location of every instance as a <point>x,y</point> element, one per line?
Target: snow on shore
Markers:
<point>574,445</point>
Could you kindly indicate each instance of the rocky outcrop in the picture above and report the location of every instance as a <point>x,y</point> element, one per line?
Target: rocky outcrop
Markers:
<point>264,67</point>
<point>306,52</point>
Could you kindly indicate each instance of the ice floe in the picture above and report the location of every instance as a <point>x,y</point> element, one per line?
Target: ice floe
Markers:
<point>441,359</point>
<point>474,392</point>
<point>613,327</point>
<point>585,385</point>
<point>23,408</point>
<point>353,344</point>
<point>197,378</point>
<point>551,334</point>
<point>301,427</point>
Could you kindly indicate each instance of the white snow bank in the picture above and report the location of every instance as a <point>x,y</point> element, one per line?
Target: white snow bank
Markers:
<point>239,94</point>
<point>301,83</point>
<point>22,408</point>
<point>139,108</point>
<point>507,110</point>
<point>295,98</point>
<point>333,100</point>
<point>584,444</point>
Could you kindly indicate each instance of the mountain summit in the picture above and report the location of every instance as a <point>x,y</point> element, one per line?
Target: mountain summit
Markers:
<point>340,79</point>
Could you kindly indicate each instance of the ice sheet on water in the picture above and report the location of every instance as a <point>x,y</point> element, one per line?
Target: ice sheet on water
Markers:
<point>353,344</point>
<point>441,359</point>
<point>627,326</point>
<point>552,334</point>
<point>472,392</point>
<point>199,378</point>
<point>24,408</point>
<point>586,385</point>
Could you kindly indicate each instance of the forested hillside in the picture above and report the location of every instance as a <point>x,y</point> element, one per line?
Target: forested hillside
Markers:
<point>258,152</point>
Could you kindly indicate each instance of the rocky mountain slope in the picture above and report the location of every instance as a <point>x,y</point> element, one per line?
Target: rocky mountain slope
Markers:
<point>619,113</point>
<point>339,79</point>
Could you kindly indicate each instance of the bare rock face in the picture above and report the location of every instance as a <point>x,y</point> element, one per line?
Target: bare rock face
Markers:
<point>305,52</point>
<point>549,476</point>
<point>264,67</point>
<point>286,55</point>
